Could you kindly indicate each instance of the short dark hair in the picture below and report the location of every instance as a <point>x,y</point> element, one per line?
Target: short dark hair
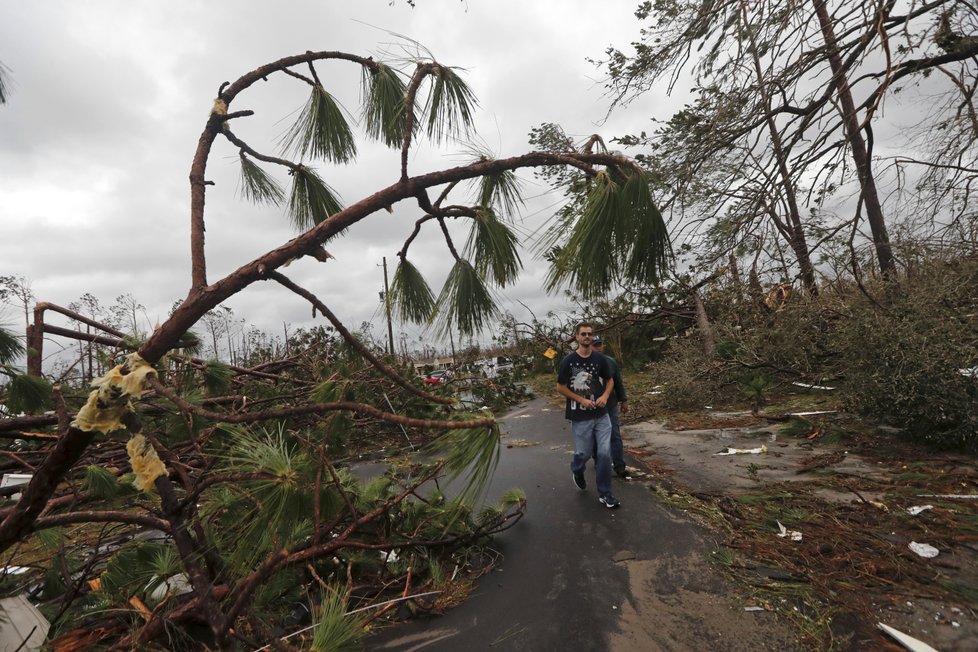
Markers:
<point>580,325</point>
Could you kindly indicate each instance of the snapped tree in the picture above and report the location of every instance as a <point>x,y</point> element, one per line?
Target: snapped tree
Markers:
<point>788,96</point>
<point>251,505</point>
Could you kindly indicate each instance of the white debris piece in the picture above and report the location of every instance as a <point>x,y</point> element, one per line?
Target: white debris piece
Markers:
<point>15,479</point>
<point>957,496</point>
<point>743,451</point>
<point>785,533</point>
<point>14,570</point>
<point>917,509</point>
<point>807,386</point>
<point>970,372</point>
<point>178,584</point>
<point>22,626</point>
<point>925,550</point>
<point>811,414</point>
<point>907,641</point>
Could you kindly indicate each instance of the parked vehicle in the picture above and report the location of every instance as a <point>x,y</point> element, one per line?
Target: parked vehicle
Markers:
<point>438,377</point>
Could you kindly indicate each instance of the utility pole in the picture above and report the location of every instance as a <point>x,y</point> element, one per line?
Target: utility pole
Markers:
<point>387,305</point>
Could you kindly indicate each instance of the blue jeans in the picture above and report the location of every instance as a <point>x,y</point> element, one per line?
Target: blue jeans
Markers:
<point>617,447</point>
<point>589,436</point>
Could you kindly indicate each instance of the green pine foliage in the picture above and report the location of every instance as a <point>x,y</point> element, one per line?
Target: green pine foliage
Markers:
<point>11,347</point>
<point>311,200</point>
<point>258,186</point>
<point>102,484</point>
<point>195,344</point>
<point>251,517</point>
<point>647,252</point>
<point>617,235</point>
<point>473,452</point>
<point>138,569</point>
<point>501,193</point>
<point>28,394</point>
<point>4,88</point>
<point>51,538</point>
<point>321,130</point>
<point>450,106</point>
<point>327,392</point>
<point>279,593</point>
<point>216,377</point>
<point>465,302</point>
<point>384,107</point>
<point>410,295</point>
<point>335,630</point>
<point>495,249</point>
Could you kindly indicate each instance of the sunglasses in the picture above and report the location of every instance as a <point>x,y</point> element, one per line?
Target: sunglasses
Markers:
<point>586,334</point>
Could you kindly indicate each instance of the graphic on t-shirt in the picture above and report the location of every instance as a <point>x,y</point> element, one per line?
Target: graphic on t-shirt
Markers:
<point>581,382</point>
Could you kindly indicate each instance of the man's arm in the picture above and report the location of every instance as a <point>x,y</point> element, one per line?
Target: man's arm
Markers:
<point>585,403</point>
<point>609,385</point>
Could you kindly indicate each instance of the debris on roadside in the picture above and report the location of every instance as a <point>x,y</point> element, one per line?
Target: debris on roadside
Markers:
<point>807,386</point>
<point>907,641</point>
<point>811,414</point>
<point>918,509</point>
<point>743,451</point>
<point>521,443</point>
<point>951,496</point>
<point>821,461</point>
<point>15,480</point>
<point>784,533</point>
<point>925,550</point>
<point>22,626</point>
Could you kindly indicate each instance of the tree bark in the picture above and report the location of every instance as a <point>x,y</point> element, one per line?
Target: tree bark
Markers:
<point>860,154</point>
<point>794,231</point>
<point>705,328</point>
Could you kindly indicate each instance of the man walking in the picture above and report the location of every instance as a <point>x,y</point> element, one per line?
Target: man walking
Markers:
<point>585,380</point>
<point>618,399</point>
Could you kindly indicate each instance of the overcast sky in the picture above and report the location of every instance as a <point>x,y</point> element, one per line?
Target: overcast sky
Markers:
<point>108,99</point>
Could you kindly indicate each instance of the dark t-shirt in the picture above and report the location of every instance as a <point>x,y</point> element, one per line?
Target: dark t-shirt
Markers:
<point>586,377</point>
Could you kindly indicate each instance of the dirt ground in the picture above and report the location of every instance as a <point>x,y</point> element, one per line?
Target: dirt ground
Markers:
<point>849,500</point>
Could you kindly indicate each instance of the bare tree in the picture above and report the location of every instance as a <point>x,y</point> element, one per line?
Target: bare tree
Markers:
<point>789,96</point>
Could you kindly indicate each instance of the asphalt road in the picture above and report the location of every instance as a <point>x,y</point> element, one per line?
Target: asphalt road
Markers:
<point>579,576</point>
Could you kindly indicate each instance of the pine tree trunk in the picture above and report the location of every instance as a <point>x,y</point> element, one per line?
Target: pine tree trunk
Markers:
<point>705,328</point>
<point>860,154</point>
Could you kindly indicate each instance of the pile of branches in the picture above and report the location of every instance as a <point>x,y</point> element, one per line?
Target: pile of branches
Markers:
<point>261,520</point>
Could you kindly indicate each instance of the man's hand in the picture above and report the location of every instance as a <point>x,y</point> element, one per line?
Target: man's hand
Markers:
<point>602,401</point>
<point>624,407</point>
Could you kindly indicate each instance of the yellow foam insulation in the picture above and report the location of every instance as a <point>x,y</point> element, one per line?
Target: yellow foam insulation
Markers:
<point>145,462</point>
<point>111,397</point>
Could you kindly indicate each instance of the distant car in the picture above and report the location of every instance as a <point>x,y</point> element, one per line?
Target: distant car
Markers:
<point>438,378</point>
